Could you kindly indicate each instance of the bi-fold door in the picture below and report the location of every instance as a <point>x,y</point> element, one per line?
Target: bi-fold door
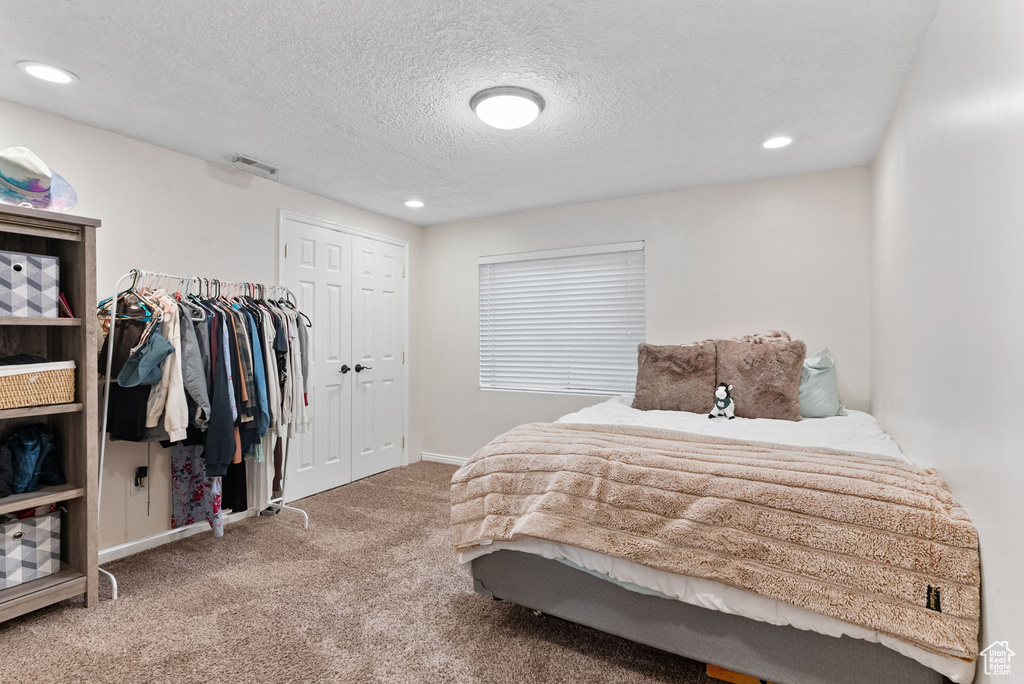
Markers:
<point>352,288</point>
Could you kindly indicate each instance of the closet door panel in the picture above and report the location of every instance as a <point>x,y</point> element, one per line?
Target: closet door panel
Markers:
<point>363,431</point>
<point>384,412</point>
<point>377,416</point>
<point>334,349</point>
<point>318,269</point>
<point>334,449</point>
<point>363,331</point>
<point>305,292</point>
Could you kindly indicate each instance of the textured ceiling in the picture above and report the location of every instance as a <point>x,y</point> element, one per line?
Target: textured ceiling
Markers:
<point>367,101</point>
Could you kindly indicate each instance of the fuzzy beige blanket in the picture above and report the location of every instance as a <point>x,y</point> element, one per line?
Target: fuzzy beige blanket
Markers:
<point>868,540</point>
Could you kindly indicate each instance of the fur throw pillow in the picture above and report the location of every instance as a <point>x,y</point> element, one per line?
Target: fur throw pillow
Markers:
<point>676,377</point>
<point>762,338</point>
<point>764,371</point>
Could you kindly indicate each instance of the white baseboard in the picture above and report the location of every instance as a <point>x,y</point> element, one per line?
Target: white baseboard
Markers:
<point>442,458</point>
<point>160,538</point>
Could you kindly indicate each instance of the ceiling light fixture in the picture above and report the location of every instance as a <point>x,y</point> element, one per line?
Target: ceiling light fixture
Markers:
<point>47,72</point>
<point>777,142</point>
<point>507,107</point>
<point>414,204</point>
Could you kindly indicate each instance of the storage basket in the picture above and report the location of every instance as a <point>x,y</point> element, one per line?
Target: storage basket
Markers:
<point>29,284</point>
<point>37,384</point>
<point>29,549</point>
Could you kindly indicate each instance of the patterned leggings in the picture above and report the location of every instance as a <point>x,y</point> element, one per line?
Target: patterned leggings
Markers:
<point>194,496</point>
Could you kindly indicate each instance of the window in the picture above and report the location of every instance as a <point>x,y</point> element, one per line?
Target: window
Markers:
<point>565,320</point>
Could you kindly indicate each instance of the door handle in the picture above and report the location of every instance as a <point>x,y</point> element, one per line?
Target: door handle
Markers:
<point>360,368</point>
<point>344,369</point>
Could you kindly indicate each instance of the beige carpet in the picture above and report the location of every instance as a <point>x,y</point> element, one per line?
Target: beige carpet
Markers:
<point>371,592</point>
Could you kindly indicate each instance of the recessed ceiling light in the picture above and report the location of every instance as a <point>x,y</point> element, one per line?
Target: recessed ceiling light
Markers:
<point>47,72</point>
<point>776,142</point>
<point>507,107</point>
<point>415,204</point>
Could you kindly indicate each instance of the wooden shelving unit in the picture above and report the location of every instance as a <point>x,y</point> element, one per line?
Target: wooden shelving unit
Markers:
<point>44,591</point>
<point>46,495</point>
<point>73,240</point>
<point>40,322</point>
<point>50,410</point>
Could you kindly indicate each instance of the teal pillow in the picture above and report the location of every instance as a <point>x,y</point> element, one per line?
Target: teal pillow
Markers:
<point>819,387</point>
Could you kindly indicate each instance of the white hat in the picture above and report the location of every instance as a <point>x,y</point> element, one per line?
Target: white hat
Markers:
<point>25,181</point>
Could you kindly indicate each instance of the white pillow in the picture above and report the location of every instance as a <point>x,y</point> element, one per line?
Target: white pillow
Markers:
<point>819,387</point>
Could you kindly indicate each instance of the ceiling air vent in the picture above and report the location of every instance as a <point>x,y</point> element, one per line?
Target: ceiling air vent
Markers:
<point>255,167</point>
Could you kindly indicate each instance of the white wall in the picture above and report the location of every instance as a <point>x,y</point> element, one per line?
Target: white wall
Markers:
<point>164,211</point>
<point>947,315</point>
<point>789,253</point>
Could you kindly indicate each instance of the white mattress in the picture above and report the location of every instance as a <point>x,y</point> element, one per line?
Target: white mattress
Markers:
<point>857,431</point>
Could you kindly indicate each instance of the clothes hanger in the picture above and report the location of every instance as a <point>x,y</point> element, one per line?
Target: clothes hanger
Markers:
<point>135,279</point>
<point>248,289</point>
<point>196,312</point>
<point>262,294</point>
<point>203,300</point>
<point>143,295</point>
<point>146,293</point>
<point>287,302</point>
<point>104,307</point>
<point>196,296</point>
<point>255,294</point>
<point>290,305</point>
<point>131,290</point>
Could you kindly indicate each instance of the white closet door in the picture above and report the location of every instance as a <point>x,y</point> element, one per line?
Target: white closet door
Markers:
<point>377,335</point>
<point>318,269</point>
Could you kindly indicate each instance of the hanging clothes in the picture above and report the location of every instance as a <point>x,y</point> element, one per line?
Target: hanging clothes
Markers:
<point>128,333</point>
<point>278,466</point>
<point>233,381</point>
<point>193,375</point>
<point>194,495</point>
<point>270,369</point>
<point>260,380</point>
<point>303,351</point>
<point>235,494</point>
<point>126,412</point>
<point>167,406</point>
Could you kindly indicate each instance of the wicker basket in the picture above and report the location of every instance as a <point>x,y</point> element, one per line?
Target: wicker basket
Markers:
<point>37,384</point>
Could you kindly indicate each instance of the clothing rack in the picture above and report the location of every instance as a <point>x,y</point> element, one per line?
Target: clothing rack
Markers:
<point>223,287</point>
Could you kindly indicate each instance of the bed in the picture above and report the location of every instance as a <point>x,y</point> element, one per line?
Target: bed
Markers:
<point>699,618</point>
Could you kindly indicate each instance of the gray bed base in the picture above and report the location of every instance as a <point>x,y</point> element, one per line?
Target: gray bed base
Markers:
<point>783,655</point>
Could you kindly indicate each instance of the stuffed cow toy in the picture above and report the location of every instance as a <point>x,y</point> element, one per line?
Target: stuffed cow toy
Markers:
<point>724,405</point>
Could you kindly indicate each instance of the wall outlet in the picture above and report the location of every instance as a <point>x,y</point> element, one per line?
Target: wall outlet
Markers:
<point>139,482</point>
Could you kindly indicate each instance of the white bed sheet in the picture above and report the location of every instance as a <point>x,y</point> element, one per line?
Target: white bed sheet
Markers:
<point>857,431</point>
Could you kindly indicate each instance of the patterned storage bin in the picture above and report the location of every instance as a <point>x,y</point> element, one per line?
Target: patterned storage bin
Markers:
<point>29,284</point>
<point>29,549</point>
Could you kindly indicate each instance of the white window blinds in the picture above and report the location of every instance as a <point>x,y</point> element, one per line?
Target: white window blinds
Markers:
<point>564,321</point>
